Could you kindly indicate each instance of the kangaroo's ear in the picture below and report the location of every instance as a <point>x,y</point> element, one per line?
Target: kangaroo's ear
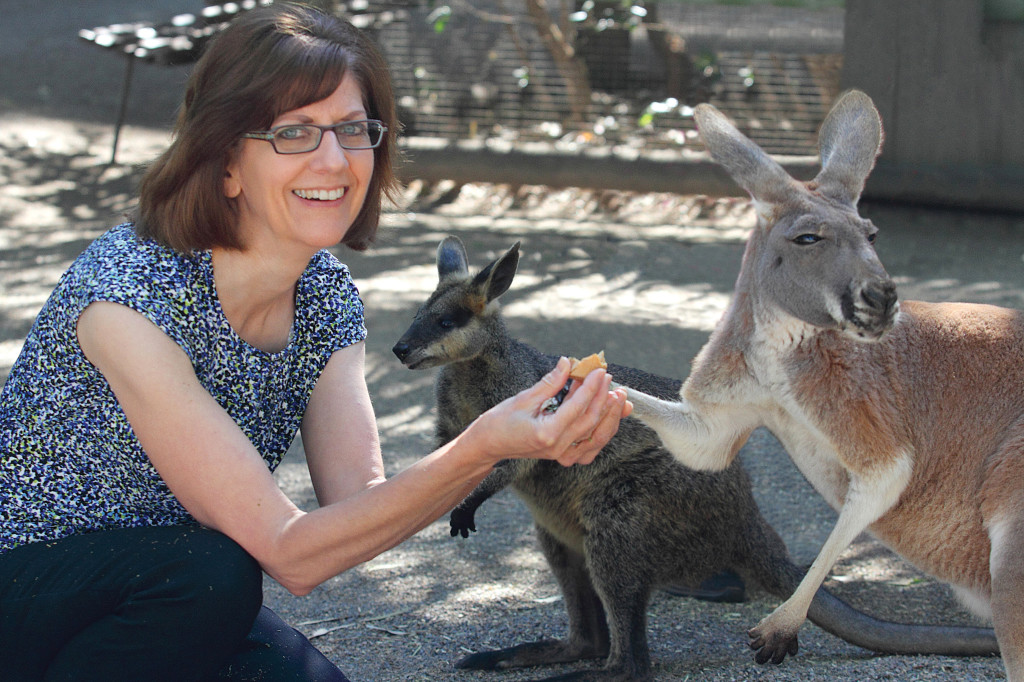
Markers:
<point>451,258</point>
<point>849,141</point>
<point>496,278</point>
<point>749,165</point>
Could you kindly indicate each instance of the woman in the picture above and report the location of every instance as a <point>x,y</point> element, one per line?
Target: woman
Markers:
<point>168,372</point>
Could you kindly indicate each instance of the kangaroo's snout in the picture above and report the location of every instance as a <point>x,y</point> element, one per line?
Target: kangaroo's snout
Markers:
<point>870,310</point>
<point>881,297</point>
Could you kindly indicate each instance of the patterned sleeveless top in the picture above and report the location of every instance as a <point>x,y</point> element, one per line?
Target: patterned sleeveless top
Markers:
<point>69,461</point>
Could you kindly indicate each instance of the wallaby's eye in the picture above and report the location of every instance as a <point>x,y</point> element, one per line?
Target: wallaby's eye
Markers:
<point>872,237</point>
<point>459,317</point>
<point>807,239</point>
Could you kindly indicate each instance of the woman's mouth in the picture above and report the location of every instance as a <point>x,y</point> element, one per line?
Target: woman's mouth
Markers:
<point>320,194</point>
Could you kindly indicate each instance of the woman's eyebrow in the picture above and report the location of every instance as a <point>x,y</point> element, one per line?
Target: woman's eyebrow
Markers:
<point>286,118</point>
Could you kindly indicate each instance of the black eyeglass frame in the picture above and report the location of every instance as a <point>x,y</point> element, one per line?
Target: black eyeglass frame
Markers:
<point>271,135</point>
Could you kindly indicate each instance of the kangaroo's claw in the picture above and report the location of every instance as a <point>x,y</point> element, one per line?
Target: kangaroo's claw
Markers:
<point>772,646</point>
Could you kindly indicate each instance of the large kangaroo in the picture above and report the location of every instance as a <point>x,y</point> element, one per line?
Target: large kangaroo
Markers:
<point>634,520</point>
<point>909,419</point>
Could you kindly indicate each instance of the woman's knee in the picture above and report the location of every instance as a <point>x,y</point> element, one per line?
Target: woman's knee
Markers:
<point>213,572</point>
<point>147,599</point>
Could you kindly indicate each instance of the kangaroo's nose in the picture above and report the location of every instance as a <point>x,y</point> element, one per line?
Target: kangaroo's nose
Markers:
<point>401,349</point>
<point>880,296</point>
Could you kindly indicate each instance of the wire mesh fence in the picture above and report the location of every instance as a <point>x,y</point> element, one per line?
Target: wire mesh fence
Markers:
<point>492,70</point>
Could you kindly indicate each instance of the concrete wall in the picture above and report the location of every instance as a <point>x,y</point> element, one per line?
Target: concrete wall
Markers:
<point>948,78</point>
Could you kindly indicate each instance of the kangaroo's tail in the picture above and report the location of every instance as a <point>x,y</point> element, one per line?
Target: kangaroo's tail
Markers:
<point>777,573</point>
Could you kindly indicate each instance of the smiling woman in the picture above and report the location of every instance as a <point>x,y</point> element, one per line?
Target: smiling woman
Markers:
<point>169,371</point>
<point>256,75</point>
<point>300,202</point>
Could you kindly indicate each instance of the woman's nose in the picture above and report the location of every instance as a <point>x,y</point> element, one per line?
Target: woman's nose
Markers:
<point>330,153</point>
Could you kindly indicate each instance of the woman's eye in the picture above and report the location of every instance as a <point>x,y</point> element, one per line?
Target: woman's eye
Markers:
<point>352,129</point>
<point>293,133</point>
<point>807,239</point>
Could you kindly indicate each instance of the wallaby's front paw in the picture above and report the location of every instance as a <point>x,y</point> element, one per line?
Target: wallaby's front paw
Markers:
<point>772,645</point>
<point>462,522</point>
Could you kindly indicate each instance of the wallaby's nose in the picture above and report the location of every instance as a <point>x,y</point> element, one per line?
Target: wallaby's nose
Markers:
<point>880,296</point>
<point>401,349</point>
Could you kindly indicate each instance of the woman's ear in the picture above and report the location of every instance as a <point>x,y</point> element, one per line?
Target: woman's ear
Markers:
<point>232,186</point>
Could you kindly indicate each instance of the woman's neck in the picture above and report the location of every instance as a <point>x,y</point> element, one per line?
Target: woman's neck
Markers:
<point>257,295</point>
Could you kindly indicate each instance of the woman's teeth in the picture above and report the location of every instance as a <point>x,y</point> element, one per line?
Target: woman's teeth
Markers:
<point>320,194</point>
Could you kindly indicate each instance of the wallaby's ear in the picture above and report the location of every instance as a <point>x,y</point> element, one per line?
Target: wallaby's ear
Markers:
<point>749,165</point>
<point>849,142</point>
<point>496,278</point>
<point>451,258</point>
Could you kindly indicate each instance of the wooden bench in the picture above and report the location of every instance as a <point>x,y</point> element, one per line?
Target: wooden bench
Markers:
<point>179,40</point>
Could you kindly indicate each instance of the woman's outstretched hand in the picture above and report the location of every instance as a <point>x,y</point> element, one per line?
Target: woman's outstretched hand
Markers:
<point>587,419</point>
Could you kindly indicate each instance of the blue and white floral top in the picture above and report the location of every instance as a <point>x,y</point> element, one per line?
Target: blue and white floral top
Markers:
<point>69,461</point>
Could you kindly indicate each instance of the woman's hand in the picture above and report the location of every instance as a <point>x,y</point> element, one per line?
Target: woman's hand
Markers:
<point>520,427</point>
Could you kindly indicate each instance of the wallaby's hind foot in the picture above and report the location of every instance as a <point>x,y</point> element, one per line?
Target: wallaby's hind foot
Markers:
<point>603,675</point>
<point>548,652</point>
<point>725,587</point>
<point>529,654</point>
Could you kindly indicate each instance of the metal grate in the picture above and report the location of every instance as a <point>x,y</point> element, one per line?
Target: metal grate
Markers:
<point>468,79</point>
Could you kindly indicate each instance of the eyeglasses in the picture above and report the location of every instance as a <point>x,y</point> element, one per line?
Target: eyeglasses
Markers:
<point>296,139</point>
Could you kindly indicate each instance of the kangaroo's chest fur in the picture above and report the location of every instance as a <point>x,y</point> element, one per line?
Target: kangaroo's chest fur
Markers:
<point>835,424</point>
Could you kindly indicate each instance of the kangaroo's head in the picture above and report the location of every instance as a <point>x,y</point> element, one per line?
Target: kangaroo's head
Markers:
<point>812,255</point>
<point>459,318</point>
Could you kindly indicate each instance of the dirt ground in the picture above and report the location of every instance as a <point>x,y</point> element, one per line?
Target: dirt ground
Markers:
<point>644,277</point>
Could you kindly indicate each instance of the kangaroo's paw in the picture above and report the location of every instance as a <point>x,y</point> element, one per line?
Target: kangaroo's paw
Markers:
<point>643,404</point>
<point>772,643</point>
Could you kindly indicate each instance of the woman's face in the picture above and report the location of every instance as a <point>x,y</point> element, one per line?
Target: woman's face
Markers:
<point>308,200</point>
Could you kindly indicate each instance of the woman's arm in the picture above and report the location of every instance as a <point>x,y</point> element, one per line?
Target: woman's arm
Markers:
<point>339,430</point>
<point>218,476</point>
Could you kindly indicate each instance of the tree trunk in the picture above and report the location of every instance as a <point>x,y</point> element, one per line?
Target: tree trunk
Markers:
<point>569,65</point>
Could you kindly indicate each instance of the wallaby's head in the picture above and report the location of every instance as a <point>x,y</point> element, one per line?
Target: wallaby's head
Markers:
<point>812,255</point>
<point>458,320</point>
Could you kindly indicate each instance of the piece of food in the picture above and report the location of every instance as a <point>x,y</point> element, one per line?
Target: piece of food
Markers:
<point>579,369</point>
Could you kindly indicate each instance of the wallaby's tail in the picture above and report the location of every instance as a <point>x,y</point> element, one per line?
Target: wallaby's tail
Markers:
<point>777,573</point>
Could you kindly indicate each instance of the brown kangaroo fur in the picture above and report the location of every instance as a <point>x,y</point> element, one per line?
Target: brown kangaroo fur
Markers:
<point>908,419</point>
<point>634,520</point>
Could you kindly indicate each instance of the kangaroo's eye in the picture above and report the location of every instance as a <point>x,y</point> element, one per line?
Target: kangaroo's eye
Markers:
<point>872,237</point>
<point>807,239</point>
<point>446,323</point>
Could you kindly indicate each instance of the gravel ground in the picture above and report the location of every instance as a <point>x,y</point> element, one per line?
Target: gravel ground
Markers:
<point>642,276</point>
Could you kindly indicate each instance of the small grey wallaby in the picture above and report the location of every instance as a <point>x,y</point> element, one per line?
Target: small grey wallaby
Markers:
<point>631,522</point>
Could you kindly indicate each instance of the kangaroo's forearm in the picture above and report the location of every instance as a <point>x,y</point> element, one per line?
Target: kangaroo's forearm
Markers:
<point>701,437</point>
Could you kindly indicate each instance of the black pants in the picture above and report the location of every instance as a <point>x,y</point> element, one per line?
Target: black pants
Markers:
<point>162,603</point>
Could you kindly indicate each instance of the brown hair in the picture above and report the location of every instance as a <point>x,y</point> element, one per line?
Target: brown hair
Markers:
<point>268,61</point>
